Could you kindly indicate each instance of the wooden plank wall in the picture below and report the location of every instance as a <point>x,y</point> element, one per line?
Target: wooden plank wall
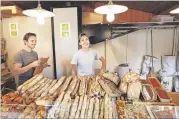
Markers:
<point>129,16</point>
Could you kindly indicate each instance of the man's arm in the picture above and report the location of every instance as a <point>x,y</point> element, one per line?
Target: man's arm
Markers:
<point>18,69</point>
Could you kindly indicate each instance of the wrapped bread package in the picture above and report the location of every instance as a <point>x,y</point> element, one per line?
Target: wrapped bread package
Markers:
<point>134,90</point>
<point>128,78</point>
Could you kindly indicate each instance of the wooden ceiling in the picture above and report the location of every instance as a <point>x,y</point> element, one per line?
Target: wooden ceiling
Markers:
<point>154,7</point>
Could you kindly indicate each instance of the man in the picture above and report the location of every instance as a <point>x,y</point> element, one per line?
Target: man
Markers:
<point>26,59</point>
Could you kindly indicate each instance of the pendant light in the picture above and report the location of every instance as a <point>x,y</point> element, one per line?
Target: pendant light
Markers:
<point>175,11</point>
<point>39,13</point>
<point>110,10</point>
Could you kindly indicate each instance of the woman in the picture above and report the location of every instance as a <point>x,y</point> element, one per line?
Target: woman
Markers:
<point>83,59</point>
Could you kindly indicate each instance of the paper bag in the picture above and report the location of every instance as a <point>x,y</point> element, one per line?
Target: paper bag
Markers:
<point>40,68</point>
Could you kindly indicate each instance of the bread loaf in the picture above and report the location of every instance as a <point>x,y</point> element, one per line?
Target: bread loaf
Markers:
<point>74,108</point>
<point>96,109</point>
<point>109,87</point>
<point>48,89</point>
<point>72,84</point>
<point>79,107</point>
<point>67,112</point>
<point>54,108</point>
<point>90,109</point>
<point>112,77</point>
<point>101,115</point>
<point>106,108</point>
<point>75,91</point>
<point>57,85</point>
<point>82,115</point>
<point>24,88</point>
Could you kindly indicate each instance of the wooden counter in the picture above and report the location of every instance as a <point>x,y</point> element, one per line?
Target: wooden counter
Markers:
<point>175,97</point>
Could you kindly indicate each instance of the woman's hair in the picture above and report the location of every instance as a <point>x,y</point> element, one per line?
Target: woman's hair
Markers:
<point>81,35</point>
<point>28,35</point>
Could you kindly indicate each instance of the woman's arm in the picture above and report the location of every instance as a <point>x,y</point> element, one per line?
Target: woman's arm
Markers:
<point>103,67</point>
<point>74,70</point>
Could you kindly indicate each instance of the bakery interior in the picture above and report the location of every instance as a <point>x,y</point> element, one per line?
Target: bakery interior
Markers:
<point>140,44</point>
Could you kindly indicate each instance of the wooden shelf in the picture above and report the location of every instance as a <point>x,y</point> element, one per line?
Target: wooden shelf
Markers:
<point>5,73</point>
<point>3,52</point>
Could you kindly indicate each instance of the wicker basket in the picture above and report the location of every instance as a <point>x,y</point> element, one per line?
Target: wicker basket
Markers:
<point>150,91</point>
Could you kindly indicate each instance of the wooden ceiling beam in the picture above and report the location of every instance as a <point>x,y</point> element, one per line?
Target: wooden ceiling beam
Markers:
<point>8,11</point>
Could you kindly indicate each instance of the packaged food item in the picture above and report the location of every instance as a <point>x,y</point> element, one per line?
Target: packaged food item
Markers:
<point>163,95</point>
<point>154,82</point>
<point>148,92</point>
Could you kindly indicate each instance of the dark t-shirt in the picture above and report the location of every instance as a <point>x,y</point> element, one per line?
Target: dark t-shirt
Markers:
<point>25,58</point>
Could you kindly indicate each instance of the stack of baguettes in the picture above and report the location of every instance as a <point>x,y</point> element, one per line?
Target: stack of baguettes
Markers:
<point>78,97</point>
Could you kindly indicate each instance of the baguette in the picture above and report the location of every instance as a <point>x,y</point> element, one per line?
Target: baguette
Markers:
<point>115,114</point>
<point>106,108</point>
<point>25,83</point>
<point>110,109</point>
<point>54,108</point>
<point>96,109</point>
<point>82,115</point>
<point>76,88</point>
<point>65,84</point>
<point>63,106</point>
<point>24,88</point>
<point>39,88</point>
<point>48,89</point>
<point>74,108</point>
<point>32,89</point>
<point>101,115</point>
<point>67,112</point>
<point>90,109</point>
<point>57,85</point>
<point>82,87</point>
<point>42,88</point>
<point>72,84</point>
<point>87,107</point>
<point>45,87</point>
<point>79,107</point>
<point>45,101</point>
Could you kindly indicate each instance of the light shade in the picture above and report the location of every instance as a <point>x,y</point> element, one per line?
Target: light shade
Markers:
<point>38,12</point>
<point>175,11</point>
<point>115,9</point>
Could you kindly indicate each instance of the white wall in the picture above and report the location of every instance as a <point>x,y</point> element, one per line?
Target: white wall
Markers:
<point>44,39</point>
<point>138,45</point>
<point>65,48</point>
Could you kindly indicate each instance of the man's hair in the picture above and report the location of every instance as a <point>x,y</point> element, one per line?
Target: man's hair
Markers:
<point>81,35</point>
<point>28,35</point>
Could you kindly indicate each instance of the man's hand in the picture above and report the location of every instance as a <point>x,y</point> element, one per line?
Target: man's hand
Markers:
<point>46,65</point>
<point>35,63</point>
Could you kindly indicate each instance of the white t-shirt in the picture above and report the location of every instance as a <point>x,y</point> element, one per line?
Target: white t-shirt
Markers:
<point>85,61</point>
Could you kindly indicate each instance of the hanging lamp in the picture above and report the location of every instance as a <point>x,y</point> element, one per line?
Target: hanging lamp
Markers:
<point>110,9</point>
<point>39,13</point>
<point>175,11</point>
